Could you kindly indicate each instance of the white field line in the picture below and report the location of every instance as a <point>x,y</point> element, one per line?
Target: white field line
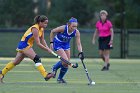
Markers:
<point>78,82</point>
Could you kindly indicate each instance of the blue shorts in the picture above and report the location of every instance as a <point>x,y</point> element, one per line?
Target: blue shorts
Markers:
<point>22,46</point>
<point>60,45</point>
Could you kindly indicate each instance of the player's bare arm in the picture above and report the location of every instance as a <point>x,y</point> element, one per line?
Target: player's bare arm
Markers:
<point>56,30</point>
<point>37,40</point>
<point>94,36</point>
<point>112,36</point>
<point>43,41</point>
<point>78,41</point>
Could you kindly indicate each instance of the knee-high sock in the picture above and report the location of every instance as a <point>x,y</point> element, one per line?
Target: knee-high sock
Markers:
<point>41,69</point>
<point>57,66</point>
<point>63,71</point>
<point>8,67</point>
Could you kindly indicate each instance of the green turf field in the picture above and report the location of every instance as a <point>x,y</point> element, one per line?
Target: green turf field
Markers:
<point>123,77</point>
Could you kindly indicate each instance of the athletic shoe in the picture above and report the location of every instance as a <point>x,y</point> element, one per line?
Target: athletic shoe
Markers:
<point>49,75</point>
<point>108,65</point>
<point>61,81</point>
<point>104,68</point>
<point>1,77</point>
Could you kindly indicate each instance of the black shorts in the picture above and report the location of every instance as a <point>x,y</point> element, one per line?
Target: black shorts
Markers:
<point>104,43</point>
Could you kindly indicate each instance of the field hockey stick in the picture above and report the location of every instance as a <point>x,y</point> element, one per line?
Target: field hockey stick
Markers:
<point>62,59</point>
<point>89,79</point>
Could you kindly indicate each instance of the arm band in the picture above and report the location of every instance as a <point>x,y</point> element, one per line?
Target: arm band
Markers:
<point>51,42</point>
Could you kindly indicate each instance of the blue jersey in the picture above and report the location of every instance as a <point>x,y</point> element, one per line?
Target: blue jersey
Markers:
<point>62,39</point>
<point>65,36</point>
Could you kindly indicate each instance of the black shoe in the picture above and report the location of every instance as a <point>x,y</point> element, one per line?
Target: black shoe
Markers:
<point>104,69</point>
<point>108,65</point>
<point>61,81</point>
<point>49,75</point>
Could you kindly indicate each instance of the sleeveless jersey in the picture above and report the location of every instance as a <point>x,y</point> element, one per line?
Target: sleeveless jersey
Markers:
<point>27,39</point>
<point>65,36</point>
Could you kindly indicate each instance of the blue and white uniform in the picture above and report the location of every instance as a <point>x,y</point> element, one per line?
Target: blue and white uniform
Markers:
<point>62,39</point>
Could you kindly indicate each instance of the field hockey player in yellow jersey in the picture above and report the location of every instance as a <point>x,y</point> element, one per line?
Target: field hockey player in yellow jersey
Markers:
<point>34,33</point>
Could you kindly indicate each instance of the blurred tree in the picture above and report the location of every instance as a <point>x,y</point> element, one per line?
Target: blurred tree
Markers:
<point>62,10</point>
<point>42,4</point>
<point>16,13</point>
<point>132,19</point>
<point>82,10</point>
<point>131,13</point>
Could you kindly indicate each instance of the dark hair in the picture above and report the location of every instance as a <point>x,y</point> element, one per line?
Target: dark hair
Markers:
<point>40,18</point>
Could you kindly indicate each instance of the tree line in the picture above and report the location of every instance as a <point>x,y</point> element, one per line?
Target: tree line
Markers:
<point>17,13</point>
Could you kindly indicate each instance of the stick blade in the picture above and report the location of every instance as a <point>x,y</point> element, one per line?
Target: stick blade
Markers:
<point>91,83</point>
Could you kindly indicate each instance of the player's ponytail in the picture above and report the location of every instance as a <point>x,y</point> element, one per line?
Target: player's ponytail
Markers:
<point>40,18</point>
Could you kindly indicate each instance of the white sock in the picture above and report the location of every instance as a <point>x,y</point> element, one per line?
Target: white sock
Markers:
<point>105,64</point>
<point>38,64</point>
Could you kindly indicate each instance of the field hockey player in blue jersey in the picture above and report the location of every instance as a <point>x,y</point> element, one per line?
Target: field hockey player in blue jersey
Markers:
<point>60,41</point>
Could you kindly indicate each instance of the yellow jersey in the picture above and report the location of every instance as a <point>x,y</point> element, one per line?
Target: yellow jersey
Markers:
<point>27,39</point>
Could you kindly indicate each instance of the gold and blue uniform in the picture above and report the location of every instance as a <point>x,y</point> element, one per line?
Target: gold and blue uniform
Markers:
<point>27,39</point>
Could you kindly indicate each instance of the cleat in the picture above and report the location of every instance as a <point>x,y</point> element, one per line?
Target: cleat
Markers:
<point>104,69</point>
<point>108,65</point>
<point>49,75</point>
<point>61,81</point>
<point>1,77</point>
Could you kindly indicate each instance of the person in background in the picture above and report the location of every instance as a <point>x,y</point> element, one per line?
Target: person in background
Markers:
<point>34,33</point>
<point>104,30</point>
<point>60,41</point>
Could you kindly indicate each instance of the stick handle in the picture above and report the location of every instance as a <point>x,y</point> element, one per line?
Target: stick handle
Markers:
<point>55,55</point>
<point>69,63</point>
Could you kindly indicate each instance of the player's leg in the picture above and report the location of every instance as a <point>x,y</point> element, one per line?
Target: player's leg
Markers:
<point>107,56</point>
<point>19,57</point>
<point>56,47</point>
<point>101,48</point>
<point>56,67</point>
<point>106,64</point>
<point>102,55</point>
<point>64,66</point>
<point>32,55</point>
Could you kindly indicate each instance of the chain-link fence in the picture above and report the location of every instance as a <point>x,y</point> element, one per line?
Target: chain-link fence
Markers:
<point>9,39</point>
